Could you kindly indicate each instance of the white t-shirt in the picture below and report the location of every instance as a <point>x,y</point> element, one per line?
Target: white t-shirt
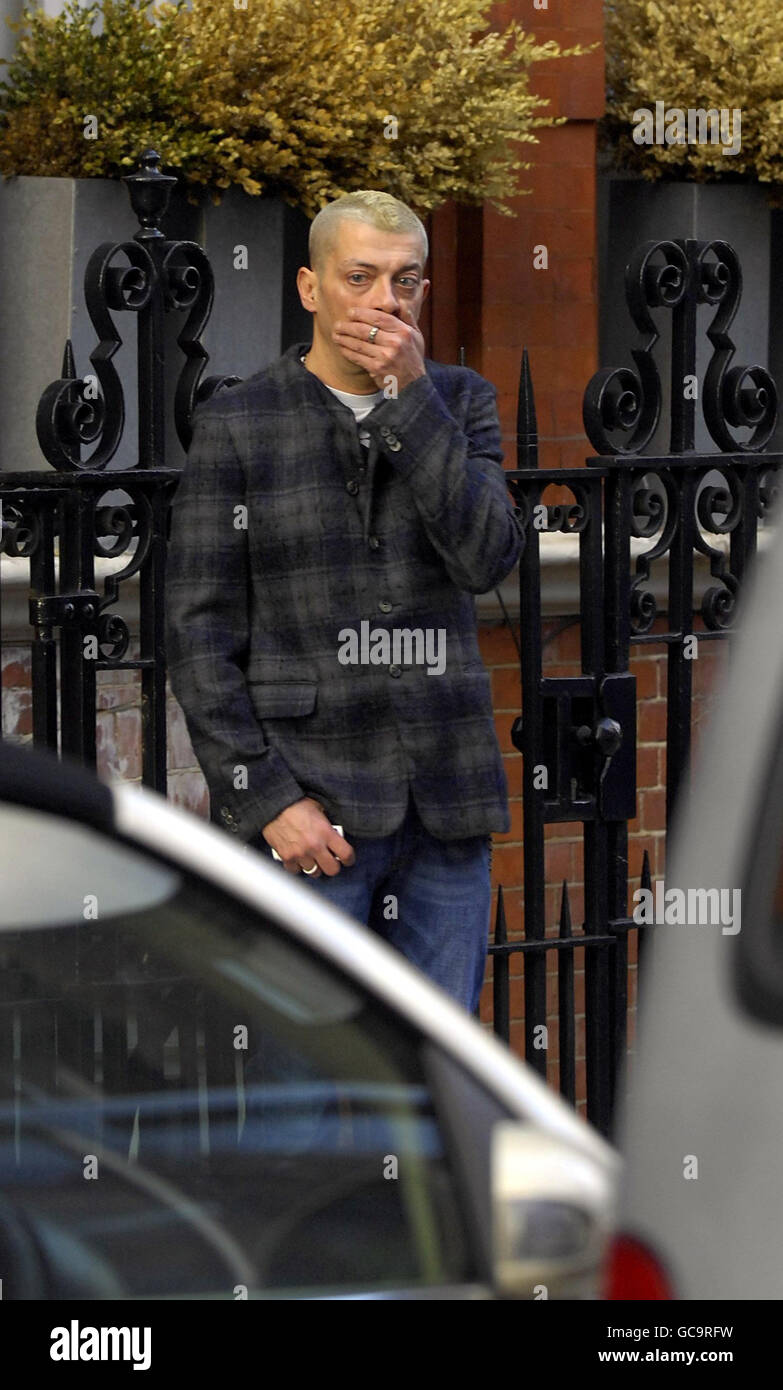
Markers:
<point>360,405</point>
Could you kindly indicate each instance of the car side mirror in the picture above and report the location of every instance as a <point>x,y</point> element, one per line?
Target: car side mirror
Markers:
<point>553,1208</point>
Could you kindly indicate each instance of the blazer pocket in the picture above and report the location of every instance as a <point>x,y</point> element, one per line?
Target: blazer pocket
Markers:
<point>283,699</point>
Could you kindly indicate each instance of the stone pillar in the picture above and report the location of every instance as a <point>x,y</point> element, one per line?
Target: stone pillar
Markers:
<point>51,227</point>
<point>11,9</point>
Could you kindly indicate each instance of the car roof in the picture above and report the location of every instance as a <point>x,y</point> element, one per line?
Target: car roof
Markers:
<point>144,818</point>
<point>38,779</point>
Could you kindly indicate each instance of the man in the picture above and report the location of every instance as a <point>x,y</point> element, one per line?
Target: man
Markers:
<point>335,515</point>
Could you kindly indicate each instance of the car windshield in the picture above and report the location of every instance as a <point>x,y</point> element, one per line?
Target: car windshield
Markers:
<point>192,1103</point>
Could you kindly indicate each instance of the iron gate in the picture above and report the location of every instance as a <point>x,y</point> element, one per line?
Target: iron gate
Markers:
<point>576,734</point>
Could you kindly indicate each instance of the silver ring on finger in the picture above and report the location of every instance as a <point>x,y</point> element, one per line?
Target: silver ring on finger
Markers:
<point>373,333</point>
<point>314,870</point>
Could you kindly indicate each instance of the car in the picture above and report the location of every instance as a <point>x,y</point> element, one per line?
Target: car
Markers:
<point>700,1121</point>
<point>213,1085</point>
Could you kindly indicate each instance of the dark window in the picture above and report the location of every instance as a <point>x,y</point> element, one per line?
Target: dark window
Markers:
<point>190,1100</point>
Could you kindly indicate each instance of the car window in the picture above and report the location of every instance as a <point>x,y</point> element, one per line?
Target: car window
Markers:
<point>194,1104</point>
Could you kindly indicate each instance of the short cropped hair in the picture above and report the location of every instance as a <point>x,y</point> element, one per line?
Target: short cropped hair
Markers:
<point>381,210</point>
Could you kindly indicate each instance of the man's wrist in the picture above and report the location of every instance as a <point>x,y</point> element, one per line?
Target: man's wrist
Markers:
<point>410,381</point>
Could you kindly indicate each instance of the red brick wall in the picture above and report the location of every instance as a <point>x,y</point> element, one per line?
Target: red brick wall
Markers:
<point>118,727</point>
<point>486,294</point>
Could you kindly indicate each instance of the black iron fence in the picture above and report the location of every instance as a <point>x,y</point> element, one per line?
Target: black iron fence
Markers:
<point>62,521</point>
<point>576,735</point>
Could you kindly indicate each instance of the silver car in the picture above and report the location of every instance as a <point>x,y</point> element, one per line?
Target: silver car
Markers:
<point>214,1085</point>
<point>701,1124</point>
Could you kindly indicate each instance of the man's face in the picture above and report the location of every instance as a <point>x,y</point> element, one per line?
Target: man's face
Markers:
<point>366,268</point>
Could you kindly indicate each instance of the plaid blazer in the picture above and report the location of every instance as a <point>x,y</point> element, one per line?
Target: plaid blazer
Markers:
<point>288,536</point>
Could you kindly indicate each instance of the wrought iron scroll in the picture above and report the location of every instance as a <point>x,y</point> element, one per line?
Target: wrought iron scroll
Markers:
<point>20,530</point>
<point>678,499</point>
<point>617,398</point>
<point>727,401</point>
<point>621,408</point>
<point>157,276</point>
<point>126,523</point>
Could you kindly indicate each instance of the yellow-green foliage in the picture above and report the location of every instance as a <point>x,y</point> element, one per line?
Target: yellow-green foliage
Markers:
<point>282,96</point>
<point>697,54</point>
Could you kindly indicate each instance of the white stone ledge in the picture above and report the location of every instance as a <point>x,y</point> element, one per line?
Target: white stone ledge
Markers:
<point>560,595</point>
<point>560,584</point>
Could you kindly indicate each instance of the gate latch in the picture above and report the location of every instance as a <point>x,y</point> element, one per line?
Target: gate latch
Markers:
<point>589,746</point>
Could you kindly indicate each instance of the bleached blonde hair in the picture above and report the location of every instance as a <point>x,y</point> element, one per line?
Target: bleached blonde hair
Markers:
<point>380,210</point>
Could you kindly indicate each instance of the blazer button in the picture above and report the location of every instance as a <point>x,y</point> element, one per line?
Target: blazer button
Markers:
<point>385,606</point>
<point>384,431</point>
<point>374,543</point>
<point>393,443</point>
<point>395,671</point>
<point>352,486</point>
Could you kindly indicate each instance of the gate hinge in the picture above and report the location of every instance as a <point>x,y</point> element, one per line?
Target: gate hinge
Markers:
<point>57,610</point>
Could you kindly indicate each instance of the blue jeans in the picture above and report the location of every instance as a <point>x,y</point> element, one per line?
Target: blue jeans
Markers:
<point>429,898</point>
